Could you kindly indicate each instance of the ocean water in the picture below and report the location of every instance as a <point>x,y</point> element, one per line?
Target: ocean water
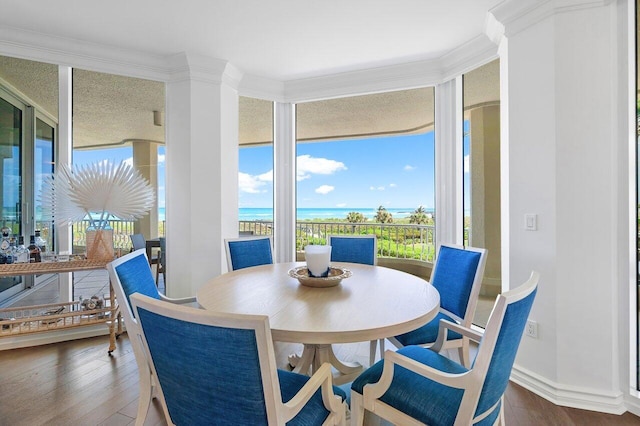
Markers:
<point>313,213</point>
<point>322,213</point>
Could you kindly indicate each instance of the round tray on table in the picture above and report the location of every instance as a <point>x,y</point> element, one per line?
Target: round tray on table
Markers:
<point>335,277</point>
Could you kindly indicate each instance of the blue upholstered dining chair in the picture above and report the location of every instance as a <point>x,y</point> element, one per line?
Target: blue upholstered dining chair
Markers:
<point>245,252</point>
<point>354,249</point>
<point>457,275</point>
<point>219,368</point>
<point>130,274</point>
<point>416,384</point>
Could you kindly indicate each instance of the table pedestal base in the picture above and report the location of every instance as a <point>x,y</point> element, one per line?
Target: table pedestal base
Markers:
<point>313,356</point>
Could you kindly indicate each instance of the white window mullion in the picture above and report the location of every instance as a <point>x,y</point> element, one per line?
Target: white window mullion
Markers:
<point>284,181</point>
<point>449,162</point>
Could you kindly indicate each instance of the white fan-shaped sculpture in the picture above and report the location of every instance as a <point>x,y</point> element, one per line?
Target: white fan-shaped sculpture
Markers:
<point>97,191</point>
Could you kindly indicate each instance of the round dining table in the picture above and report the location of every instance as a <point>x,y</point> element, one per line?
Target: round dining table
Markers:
<point>373,303</point>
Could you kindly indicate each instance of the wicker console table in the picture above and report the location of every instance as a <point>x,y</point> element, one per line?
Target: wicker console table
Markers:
<point>62,315</point>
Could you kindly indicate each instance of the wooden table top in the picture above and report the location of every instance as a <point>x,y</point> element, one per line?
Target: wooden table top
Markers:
<point>375,302</point>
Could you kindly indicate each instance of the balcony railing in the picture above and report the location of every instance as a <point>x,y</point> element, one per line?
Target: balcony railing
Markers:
<point>400,241</point>
<point>121,232</point>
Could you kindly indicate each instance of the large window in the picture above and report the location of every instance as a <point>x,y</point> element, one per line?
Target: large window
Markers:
<point>365,165</point>
<point>255,178</point>
<point>117,118</point>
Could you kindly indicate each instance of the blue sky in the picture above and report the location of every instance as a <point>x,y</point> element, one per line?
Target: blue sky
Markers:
<point>395,172</point>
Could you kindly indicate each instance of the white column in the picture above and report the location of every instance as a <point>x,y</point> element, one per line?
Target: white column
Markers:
<point>284,182</point>
<point>449,214</point>
<point>63,156</point>
<point>201,170</point>
<point>565,146</point>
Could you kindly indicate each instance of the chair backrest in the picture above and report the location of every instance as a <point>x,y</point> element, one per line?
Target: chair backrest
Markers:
<point>211,366</point>
<point>354,249</point>
<point>130,274</point>
<point>248,251</point>
<point>138,241</point>
<point>499,345</point>
<point>457,275</point>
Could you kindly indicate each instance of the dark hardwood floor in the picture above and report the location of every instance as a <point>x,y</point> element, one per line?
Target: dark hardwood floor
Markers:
<point>77,383</point>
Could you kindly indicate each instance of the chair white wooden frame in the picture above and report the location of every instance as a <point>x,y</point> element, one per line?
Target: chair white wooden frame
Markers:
<point>278,413</point>
<point>472,381</point>
<point>461,344</point>
<point>147,381</point>
<point>227,249</point>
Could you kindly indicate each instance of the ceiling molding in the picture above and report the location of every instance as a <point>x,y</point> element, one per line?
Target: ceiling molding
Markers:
<point>471,55</point>
<point>395,77</point>
<point>187,66</point>
<point>253,86</point>
<point>51,49</point>
<point>517,15</point>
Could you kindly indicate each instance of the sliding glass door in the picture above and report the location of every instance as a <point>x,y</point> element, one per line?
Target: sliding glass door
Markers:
<point>11,136</point>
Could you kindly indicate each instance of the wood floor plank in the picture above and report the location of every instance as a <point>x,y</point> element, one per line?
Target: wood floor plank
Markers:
<point>76,383</point>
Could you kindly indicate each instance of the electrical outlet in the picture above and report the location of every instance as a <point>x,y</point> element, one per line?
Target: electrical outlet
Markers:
<point>531,329</point>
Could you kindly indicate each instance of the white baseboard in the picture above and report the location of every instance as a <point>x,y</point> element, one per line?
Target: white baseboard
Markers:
<point>633,405</point>
<point>612,402</point>
<point>47,337</point>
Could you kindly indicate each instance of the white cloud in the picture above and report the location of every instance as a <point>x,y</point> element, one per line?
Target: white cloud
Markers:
<point>324,189</point>
<point>266,177</point>
<point>308,165</point>
<point>392,185</point>
<point>376,188</point>
<point>466,163</point>
<point>409,168</point>
<point>161,158</point>
<point>253,184</point>
<point>340,205</point>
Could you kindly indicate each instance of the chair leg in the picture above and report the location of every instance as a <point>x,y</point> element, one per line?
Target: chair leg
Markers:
<point>146,393</point>
<point>381,348</point>
<point>357,409</point>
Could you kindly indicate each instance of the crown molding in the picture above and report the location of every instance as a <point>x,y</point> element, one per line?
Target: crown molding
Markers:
<point>471,55</point>
<point>394,77</point>
<point>187,66</point>
<point>80,54</point>
<point>517,15</point>
<point>253,86</point>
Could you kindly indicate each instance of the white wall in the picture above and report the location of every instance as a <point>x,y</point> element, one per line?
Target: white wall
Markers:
<point>563,144</point>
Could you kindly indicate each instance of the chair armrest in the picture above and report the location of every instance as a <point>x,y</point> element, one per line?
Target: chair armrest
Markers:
<point>374,391</point>
<point>322,378</point>
<point>445,325</point>
<point>179,301</point>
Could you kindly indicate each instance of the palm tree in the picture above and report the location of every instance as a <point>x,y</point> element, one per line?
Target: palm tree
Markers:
<point>356,217</point>
<point>419,216</point>
<point>383,216</point>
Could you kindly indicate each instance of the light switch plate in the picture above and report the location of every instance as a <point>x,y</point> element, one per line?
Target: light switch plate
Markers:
<point>531,222</point>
